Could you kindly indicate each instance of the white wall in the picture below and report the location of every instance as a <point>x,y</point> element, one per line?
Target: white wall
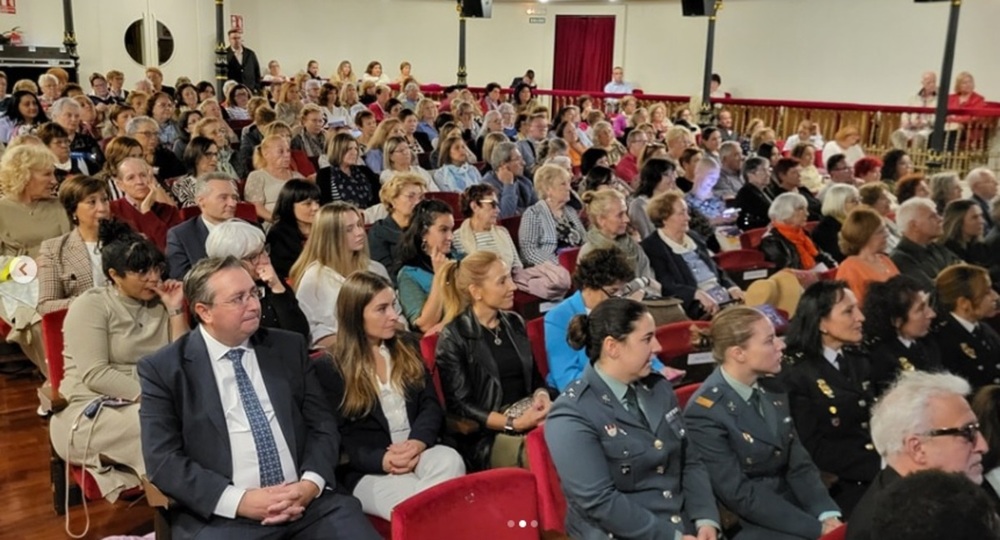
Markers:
<point>869,51</point>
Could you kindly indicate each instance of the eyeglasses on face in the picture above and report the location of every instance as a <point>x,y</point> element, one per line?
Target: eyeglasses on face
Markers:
<point>969,432</point>
<point>242,299</point>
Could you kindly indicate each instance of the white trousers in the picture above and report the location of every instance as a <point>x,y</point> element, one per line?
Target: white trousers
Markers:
<point>380,493</point>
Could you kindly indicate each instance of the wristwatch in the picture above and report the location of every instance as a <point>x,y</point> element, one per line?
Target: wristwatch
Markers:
<point>509,426</point>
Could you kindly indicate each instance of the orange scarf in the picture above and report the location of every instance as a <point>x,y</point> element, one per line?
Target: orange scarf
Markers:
<point>803,244</point>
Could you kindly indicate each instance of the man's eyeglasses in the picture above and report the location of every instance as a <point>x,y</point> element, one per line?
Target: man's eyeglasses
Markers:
<point>968,432</point>
<point>242,299</point>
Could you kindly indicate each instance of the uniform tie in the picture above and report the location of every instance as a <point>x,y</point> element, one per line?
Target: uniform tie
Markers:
<point>632,400</point>
<point>263,439</point>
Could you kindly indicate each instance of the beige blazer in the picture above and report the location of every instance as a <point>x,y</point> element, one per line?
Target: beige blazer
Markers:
<point>64,271</point>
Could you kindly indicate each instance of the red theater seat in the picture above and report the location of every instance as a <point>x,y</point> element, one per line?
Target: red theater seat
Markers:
<point>451,199</point>
<point>685,392</point>
<point>751,239</point>
<point>551,500</point>
<point>536,335</point>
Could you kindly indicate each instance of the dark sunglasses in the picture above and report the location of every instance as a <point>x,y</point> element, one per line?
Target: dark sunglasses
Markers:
<point>968,432</point>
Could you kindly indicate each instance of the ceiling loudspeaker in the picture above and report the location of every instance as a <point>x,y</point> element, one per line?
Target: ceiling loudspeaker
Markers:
<point>477,9</point>
<point>697,8</point>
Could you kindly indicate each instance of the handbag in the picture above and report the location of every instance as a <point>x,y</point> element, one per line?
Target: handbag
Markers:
<point>547,280</point>
<point>666,310</point>
<point>508,448</point>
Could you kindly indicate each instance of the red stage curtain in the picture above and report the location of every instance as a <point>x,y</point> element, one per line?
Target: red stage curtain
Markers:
<point>584,52</point>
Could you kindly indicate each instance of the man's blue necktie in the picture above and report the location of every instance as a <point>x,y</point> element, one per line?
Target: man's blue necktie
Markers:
<point>263,439</point>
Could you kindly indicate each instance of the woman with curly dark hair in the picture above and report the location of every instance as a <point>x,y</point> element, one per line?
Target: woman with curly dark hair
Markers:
<point>910,186</point>
<point>898,317</point>
<point>896,164</point>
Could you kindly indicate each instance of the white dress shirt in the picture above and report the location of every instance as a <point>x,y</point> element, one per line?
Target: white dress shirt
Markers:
<point>246,468</point>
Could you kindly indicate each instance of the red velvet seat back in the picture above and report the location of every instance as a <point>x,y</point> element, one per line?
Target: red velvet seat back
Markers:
<point>751,239</point>
<point>499,504</point>
<point>52,341</point>
<point>428,345</point>
<point>536,335</point>
<point>567,259</point>
<point>451,199</point>
<point>302,163</point>
<point>685,392</point>
<point>551,500</point>
<point>675,338</point>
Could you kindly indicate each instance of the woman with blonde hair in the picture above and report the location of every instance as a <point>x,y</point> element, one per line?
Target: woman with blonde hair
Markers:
<point>399,196</point>
<point>288,104</point>
<point>550,224</point>
<point>344,74</point>
<point>604,138</point>
<point>272,161</point>
<point>215,130</point>
<point>349,99</point>
<point>336,248</point>
<point>846,141</point>
<point>374,157</point>
<point>398,159</point>
<point>659,119</point>
<point>391,417</point>
<point>487,370</point>
<point>344,179</point>
<point>838,202</point>
<point>608,213</point>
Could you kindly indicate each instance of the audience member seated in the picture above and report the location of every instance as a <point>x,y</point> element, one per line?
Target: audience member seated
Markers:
<point>66,113</point>
<point>390,417</point>
<point>160,108</point>
<point>868,169</point>
<point>108,330</point>
<point>863,241</point>
<point>984,404</point>
<point>70,264</point>
<point>236,102</point>
<point>489,143</point>
<point>216,198</point>
<point>787,179</point>
<point>399,159</point>
<point>479,230</point>
<point>945,188</point>
<point>345,180</point>
<point>54,137</point>
<point>805,155</point>
<point>753,199</point>
<point>923,422</point>
<point>293,436</point>
<point>912,185</point>
<point>825,373</point>
<point>770,152</point>
<point>609,228</point>
<point>838,202</point>
<point>516,192</point>
<point>484,358</point>
<point>756,462</point>
<point>928,505</point>
<point>201,157</point>
<point>374,157</point>
<point>627,167</point>
<point>682,262</point>
<point>702,197</point>
<point>917,254</point>
<point>731,164</point>
<point>604,139</point>
<point>278,306</point>
<point>399,197</point>
<point>966,299</point>
<point>658,176</point>
<point>23,114</point>
<point>963,228</point>
<point>582,431</point>
<point>164,163</point>
<point>115,152</point>
<point>807,133</point>
<point>251,137</point>
<point>311,138</point>
<point>840,173</point>
<point>896,164</point>
<point>898,317</point>
<point>537,127</point>
<point>964,97</point>
<point>786,242</point>
<point>550,225</point>
<point>876,196</point>
<point>455,173</point>
<point>846,141</point>
<point>915,128</point>
<point>336,248</point>
<point>423,250</point>
<point>29,211</point>
<point>294,213</point>
<point>145,205</point>
<point>982,183</point>
<point>272,161</point>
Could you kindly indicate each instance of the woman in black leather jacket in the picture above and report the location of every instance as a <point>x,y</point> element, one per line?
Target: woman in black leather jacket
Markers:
<point>484,358</point>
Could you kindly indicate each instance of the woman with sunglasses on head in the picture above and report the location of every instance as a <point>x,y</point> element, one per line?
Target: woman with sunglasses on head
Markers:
<point>111,328</point>
<point>479,231</point>
<point>278,306</point>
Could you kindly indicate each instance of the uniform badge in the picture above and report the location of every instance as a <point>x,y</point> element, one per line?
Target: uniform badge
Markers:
<point>969,351</point>
<point>788,420</point>
<point>611,429</point>
<point>626,469</point>
<point>605,398</point>
<point>747,437</point>
<point>704,402</point>
<point>778,403</point>
<point>906,364</point>
<point>672,414</point>
<point>731,406</point>
<point>825,388</point>
<point>833,410</point>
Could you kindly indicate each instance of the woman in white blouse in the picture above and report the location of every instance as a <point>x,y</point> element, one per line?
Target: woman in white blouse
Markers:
<point>455,172</point>
<point>336,248</point>
<point>846,141</point>
<point>373,73</point>
<point>329,102</point>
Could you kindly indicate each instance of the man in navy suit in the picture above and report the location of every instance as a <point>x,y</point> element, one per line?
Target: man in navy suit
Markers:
<point>215,194</point>
<point>235,425</point>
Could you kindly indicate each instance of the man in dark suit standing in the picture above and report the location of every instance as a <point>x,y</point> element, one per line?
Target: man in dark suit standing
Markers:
<point>235,425</point>
<point>241,63</point>
<point>215,194</point>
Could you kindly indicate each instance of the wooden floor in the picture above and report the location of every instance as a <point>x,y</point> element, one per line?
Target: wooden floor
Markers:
<point>25,492</point>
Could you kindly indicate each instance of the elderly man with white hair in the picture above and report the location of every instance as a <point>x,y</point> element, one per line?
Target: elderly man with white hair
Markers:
<point>278,306</point>
<point>922,422</point>
<point>917,254</point>
<point>216,197</point>
<point>66,113</point>
<point>730,174</point>
<point>983,184</point>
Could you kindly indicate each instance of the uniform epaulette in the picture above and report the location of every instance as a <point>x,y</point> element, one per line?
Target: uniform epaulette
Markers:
<point>793,358</point>
<point>575,388</point>
<point>704,402</point>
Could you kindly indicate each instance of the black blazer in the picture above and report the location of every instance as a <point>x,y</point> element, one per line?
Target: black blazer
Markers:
<point>366,438</point>
<point>282,311</point>
<point>674,274</point>
<point>247,73</point>
<point>825,237</point>
<point>815,207</point>
<point>831,410</point>
<point>783,254</point>
<point>973,357</point>
<point>888,357</point>
<point>286,243</point>
<point>185,440</point>
<point>185,246</point>
<point>753,203</point>
<point>860,525</point>
<point>922,262</point>
<point>470,377</point>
